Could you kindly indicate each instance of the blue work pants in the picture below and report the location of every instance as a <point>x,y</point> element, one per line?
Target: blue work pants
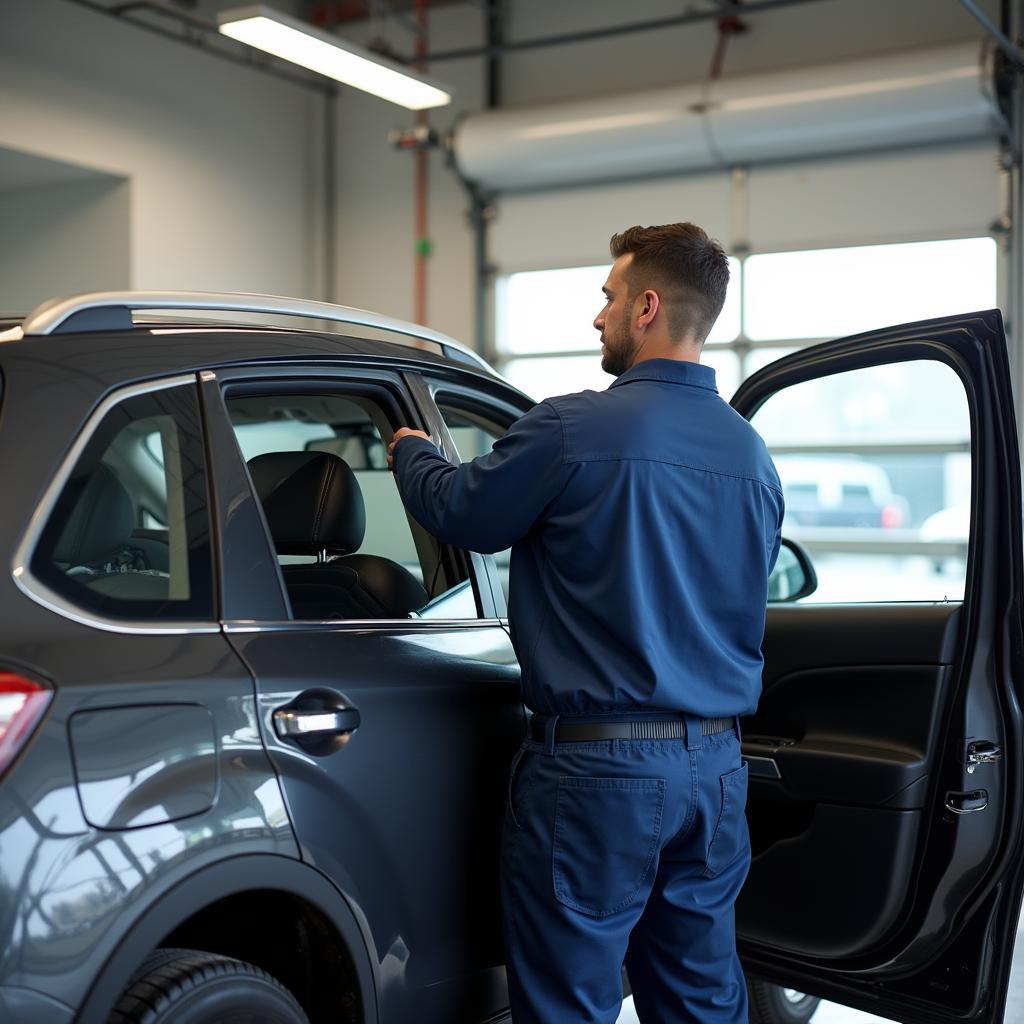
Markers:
<point>625,851</point>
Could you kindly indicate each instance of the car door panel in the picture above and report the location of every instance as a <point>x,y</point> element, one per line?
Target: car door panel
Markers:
<point>415,796</point>
<point>841,822</point>
<point>405,816</point>
<point>866,885</point>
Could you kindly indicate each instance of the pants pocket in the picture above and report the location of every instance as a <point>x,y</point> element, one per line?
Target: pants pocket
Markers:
<point>606,836</point>
<point>730,837</point>
<point>512,778</point>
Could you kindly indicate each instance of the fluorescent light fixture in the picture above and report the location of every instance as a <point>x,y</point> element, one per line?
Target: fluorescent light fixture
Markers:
<point>326,54</point>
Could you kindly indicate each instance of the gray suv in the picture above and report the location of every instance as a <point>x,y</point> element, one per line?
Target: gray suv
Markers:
<point>255,722</point>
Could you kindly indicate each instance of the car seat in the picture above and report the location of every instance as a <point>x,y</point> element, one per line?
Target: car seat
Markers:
<point>314,506</point>
<point>99,548</point>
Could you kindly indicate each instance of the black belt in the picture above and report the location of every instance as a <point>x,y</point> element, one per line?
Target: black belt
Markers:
<point>657,729</point>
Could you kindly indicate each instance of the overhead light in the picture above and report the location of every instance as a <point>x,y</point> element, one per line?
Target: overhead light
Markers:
<point>293,40</point>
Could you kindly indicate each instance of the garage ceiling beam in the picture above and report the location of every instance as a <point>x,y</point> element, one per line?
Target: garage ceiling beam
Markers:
<point>724,9</point>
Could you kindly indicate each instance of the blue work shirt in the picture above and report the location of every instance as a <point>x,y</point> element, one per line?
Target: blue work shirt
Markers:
<point>644,522</point>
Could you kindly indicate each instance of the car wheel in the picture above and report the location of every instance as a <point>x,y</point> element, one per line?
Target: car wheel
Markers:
<point>186,986</point>
<point>773,1004</point>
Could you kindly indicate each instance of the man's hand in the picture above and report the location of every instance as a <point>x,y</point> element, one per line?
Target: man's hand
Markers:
<point>399,434</point>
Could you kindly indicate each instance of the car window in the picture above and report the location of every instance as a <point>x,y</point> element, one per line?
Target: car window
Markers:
<point>387,566</point>
<point>875,468</point>
<point>129,536</point>
<point>474,434</point>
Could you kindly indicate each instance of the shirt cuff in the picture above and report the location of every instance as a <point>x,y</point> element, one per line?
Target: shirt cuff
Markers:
<point>409,445</point>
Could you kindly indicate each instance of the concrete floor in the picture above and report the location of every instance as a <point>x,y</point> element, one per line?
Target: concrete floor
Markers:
<point>831,1013</point>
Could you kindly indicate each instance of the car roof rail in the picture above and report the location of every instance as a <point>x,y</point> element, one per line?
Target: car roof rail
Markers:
<point>112,311</point>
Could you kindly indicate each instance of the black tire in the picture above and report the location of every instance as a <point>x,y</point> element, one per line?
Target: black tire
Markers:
<point>773,1004</point>
<point>186,986</point>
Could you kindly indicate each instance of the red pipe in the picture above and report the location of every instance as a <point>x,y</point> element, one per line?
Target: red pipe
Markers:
<point>728,26</point>
<point>326,15</point>
<point>422,187</point>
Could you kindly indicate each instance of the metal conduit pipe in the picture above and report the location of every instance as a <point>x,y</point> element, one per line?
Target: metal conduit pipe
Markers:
<point>918,97</point>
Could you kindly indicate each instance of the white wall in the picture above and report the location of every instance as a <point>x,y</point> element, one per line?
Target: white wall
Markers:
<point>68,238</point>
<point>222,162</point>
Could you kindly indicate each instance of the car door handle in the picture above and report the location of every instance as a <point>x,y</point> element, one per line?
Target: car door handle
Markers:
<point>319,723</point>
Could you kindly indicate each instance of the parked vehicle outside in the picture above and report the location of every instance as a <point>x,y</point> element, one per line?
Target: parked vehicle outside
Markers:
<point>840,491</point>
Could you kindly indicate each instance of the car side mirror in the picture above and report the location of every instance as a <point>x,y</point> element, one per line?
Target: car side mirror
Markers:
<point>793,576</point>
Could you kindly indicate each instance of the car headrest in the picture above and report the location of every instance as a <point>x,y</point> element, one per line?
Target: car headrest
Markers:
<point>100,522</point>
<point>311,500</point>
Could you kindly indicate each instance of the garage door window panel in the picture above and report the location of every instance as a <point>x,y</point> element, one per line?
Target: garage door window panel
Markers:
<point>129,536</point>
<point>546,345</point>
<point>826,293</point>
<point>545,317</point>
<point>382,564</point>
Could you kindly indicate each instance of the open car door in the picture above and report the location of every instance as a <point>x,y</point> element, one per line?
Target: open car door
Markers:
<point>885,801</point>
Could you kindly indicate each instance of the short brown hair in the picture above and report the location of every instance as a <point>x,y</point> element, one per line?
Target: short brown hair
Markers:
<point>688,270</point>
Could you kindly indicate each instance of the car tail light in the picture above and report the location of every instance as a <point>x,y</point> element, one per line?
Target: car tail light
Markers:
<point>892,517</point>
<point>22,703</point>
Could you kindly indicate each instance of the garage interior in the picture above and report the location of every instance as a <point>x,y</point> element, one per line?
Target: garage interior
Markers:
<point>860,161</point>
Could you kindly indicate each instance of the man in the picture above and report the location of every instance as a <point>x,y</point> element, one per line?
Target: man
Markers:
<point>644,522</point>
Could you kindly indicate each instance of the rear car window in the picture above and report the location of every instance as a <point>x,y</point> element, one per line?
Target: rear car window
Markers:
<point>389,566</point>
<point>129,536</point>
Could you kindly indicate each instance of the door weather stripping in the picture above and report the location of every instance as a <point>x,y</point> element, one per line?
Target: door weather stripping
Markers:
<point>982,752</point>
<point>112,311</point>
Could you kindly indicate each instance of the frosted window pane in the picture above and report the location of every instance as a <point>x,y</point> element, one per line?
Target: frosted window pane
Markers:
<point>554,310</point>
<point>896,403</point>
<point>560,375</point>
<point>827,293</point>
<point>563,375</point>
<point>726,365</point>
<point>758,358</point>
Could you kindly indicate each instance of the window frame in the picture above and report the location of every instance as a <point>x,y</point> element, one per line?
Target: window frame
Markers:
<point>495,402</point>
<point>770,381</point>
<point>387,387</point>
<point>42,593</point>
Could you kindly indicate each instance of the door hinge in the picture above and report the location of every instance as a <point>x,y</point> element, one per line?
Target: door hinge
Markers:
<point>982,752</point>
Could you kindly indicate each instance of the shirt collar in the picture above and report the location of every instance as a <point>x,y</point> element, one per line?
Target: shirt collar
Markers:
<point>671,371</point>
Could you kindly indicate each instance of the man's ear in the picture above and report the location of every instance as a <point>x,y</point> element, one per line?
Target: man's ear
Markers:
<point>649,305</point>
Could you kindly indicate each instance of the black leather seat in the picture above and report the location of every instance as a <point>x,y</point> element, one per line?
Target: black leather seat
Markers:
<point>99,548</point>
<point>314,506</point>
<point>98,525</point>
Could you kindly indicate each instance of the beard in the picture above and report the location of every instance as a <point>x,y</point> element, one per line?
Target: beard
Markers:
<point>619,351</point>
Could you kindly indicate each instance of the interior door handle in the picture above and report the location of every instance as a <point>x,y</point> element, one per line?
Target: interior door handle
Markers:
<point>291,723</point>
<point>967,803</point>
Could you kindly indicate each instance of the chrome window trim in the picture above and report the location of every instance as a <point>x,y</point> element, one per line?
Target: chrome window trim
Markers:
<point>359,625</point>
<point>20,564</point>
